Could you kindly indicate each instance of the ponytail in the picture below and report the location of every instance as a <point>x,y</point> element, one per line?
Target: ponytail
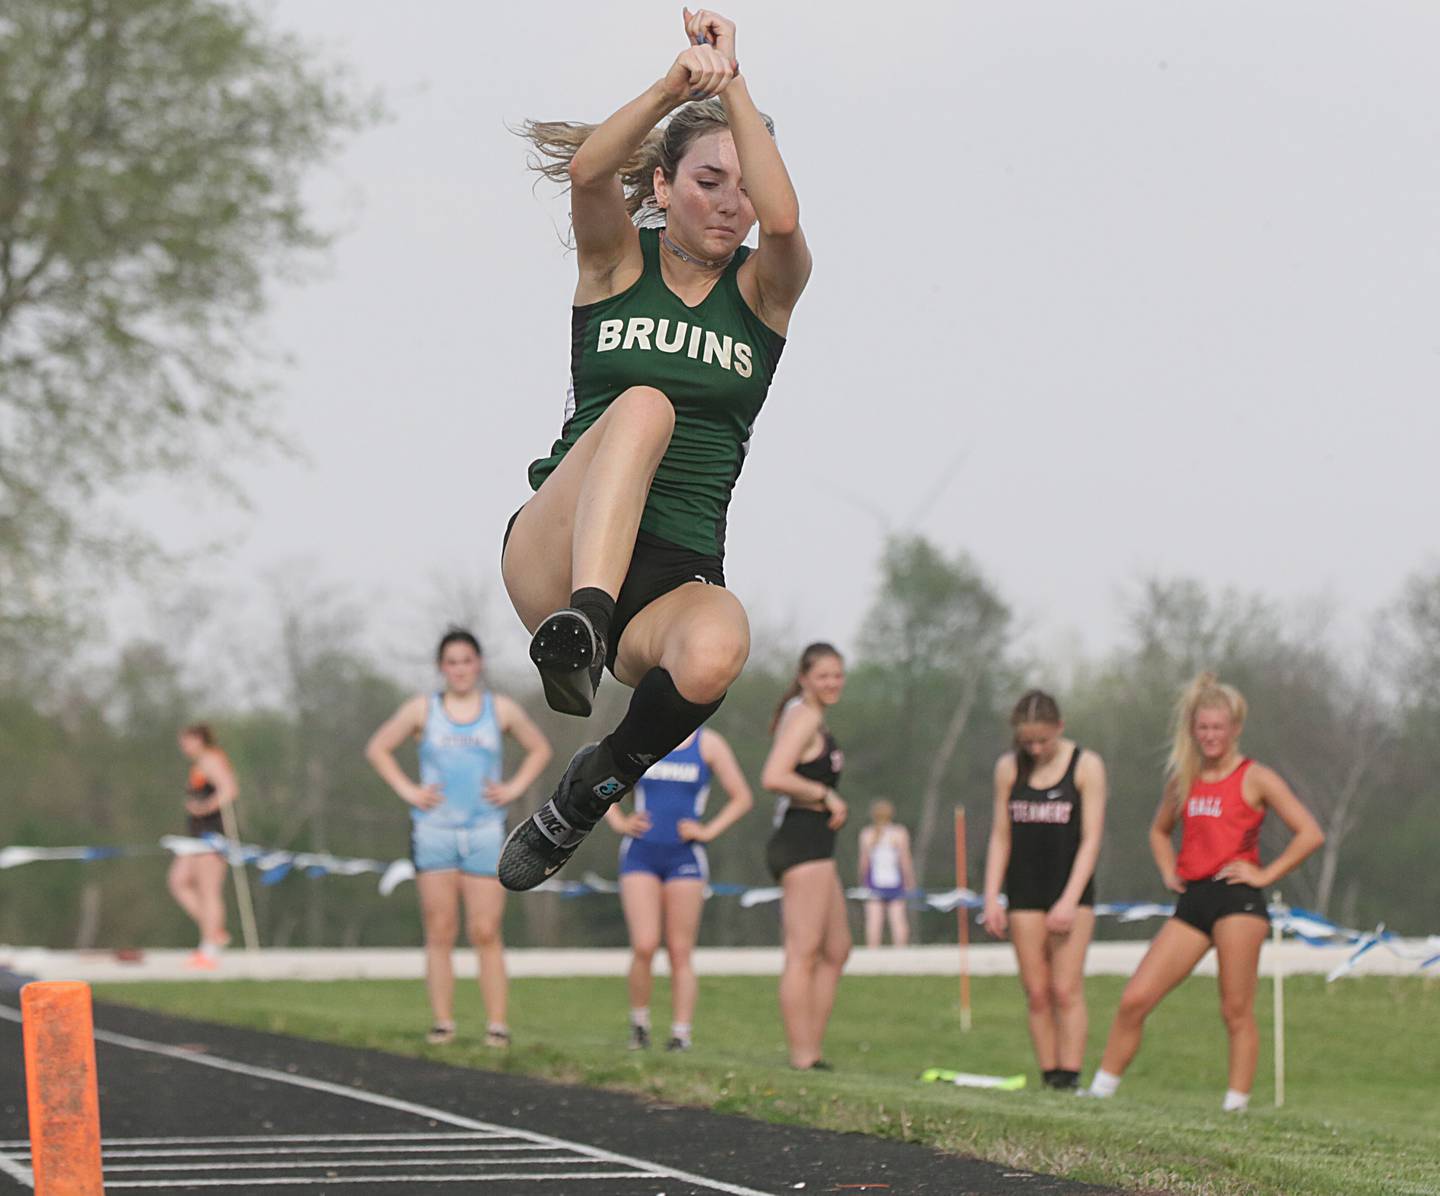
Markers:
<point>813,654</point>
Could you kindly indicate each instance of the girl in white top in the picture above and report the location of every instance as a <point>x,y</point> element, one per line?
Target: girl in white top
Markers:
<point>888,871</point>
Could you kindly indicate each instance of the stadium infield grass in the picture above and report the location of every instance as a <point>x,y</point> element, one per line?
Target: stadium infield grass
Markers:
<point>1363,1086</point>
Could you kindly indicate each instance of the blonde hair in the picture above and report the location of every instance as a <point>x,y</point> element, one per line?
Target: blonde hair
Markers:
<point>1206,692</point>
<point>556,142</point>
<point>883,805</point>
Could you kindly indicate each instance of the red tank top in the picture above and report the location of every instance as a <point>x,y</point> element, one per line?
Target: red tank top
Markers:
<point>1218,826</point>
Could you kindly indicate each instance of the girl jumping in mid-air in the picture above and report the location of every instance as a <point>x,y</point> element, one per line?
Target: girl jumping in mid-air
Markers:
<point>676,332</point>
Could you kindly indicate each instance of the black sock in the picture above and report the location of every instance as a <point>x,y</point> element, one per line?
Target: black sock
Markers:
<point>1048,1077</point>
<point>597,606</point>
<point>658,721</point>
<point>1059,1077</point>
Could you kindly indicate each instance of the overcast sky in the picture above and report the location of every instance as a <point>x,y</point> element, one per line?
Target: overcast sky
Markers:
<point>1155,285</point>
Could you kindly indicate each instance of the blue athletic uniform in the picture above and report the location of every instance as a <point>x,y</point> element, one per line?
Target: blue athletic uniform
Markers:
<point>465,831</point>
<point>673,788</point>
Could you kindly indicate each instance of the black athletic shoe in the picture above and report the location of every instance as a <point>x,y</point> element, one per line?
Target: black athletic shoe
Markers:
<point>678,1044</point>
<point>571,660</point>
<point>639,1038</point>
<point>539,846</point>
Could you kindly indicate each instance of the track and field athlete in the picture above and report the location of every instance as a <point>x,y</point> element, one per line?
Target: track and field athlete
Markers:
<point>1220,799</point>
<point>804,768</point>
<point>1044,843</point>
<point>197,881</point>
<point>888,871</point>
<point>664,871</point>
<point>676,334</point>
<point>458,820</point>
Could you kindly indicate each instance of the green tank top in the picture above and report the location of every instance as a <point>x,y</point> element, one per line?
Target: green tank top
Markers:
<point>713,361</point>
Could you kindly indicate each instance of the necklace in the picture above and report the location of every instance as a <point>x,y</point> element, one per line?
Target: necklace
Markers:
<point>706,263</point>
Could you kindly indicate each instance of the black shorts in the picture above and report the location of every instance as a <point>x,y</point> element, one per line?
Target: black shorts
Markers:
<point>1205,902</point>
<point>1026,891</point>
<point>656,567</point>
<point>802,836</point>
<point>208,824</point>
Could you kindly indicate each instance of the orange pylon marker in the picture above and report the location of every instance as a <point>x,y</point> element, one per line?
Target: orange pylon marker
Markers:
<point>64,1099</point>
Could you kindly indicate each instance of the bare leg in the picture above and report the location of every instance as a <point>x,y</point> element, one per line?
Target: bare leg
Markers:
<point>579,528</point>
<point>180,880</point>
<point>210,895</point>
<point>1172,956</point>
<point>1238,939</point>
<point>874,923</point>
<point>804,913</point>
<point>1067,989</point>
<point>484,912</point>
<point>439,913</point>
<point>1031,939</point>
<point>640,899</point>
<point>684,903</point>
<point>834,951</point>
<point>899,916</point>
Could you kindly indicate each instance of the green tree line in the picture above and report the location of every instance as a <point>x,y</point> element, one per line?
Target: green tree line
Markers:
<point>92,759</point>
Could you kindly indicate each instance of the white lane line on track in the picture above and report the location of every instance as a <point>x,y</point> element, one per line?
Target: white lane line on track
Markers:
<point>569,1159</point>
<point>16,1171</point>
<point>259,1138</point>
<point>151,1184</point>
<point>403,1106</point>
<point>408,1149</point>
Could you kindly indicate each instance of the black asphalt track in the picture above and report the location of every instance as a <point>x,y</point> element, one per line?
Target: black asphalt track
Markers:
<point>242,1111</point>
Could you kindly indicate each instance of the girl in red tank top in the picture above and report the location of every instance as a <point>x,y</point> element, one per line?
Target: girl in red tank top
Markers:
<point>1218,826</point>
<point>1220,798</point>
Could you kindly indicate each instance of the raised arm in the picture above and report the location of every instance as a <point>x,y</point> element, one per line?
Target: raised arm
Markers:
<point>717,753</point>
<point>774,276</point>
<point>380,751</point>
<point>606,243</point>
<point>997,854</point>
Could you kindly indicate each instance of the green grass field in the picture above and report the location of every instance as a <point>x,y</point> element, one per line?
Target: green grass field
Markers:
<point>1362,1114</point>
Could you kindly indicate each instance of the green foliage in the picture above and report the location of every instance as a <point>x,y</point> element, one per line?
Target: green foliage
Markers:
<point>1360,1053</point>
<point>151,160</point>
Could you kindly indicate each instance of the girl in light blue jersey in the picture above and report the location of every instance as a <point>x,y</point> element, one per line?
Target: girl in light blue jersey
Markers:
<point>664,871</point>
<point>458,820</point>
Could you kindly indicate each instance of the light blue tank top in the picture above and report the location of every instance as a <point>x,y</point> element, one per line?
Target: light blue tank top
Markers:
<point>461,759</point>
<point>673,788</point>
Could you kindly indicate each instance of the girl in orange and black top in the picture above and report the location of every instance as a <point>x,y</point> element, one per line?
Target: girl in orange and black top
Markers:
<point>1220,798</point>
<point>197,882</point>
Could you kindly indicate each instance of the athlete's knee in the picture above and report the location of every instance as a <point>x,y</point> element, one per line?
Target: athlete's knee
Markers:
<point>643,412</point>
<point>682,955</point>
<point>1237,1013</point>
<point>1135,1005</point>
<point>709,660</point>
<point>441,933</point>
<point>1067,995</point>
<point>645,947</point>
<point>1037,998</point>
<point>484,932</point>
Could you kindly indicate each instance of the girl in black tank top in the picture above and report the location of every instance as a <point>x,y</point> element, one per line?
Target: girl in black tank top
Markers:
<point>800,852</point>
<point>804,833</point>
<point>1044,840</point>
<point>1044,843</point>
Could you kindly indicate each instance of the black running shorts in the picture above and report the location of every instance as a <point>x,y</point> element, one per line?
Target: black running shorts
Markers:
<point>802,836</point>
<point>656,567</point>
<point>1205,902</point>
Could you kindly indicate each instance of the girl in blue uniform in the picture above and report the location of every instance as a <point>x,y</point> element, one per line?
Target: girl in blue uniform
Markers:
<point>664,871</point>
<point>458,819</point>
